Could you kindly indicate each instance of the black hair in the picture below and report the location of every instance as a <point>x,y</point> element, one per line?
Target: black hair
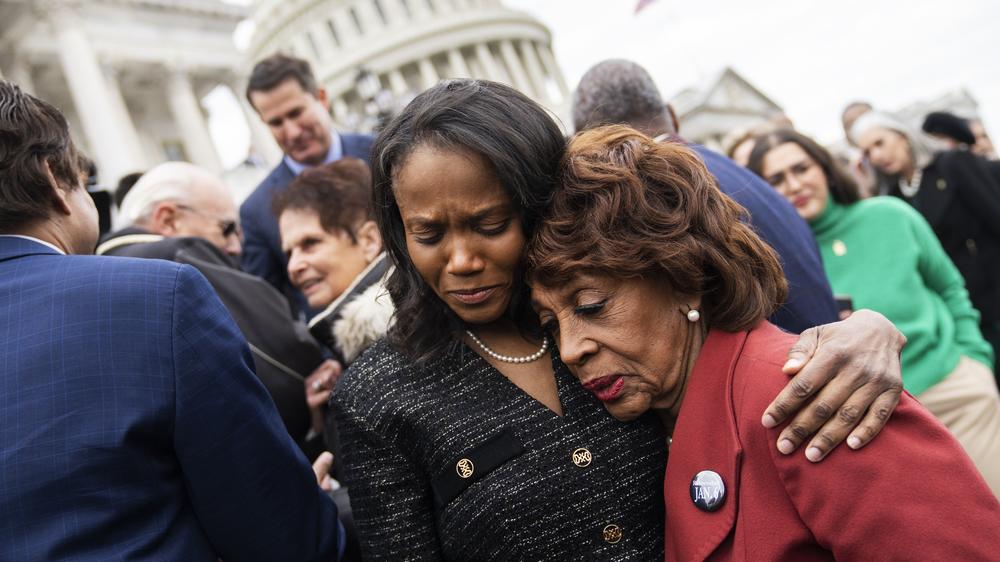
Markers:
<point>522,145</point>
<point>277,68</point>
<point>33,133</point>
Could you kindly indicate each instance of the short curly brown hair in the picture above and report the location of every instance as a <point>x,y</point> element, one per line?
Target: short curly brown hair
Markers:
<point>339,192</point>
<point>628,206</point>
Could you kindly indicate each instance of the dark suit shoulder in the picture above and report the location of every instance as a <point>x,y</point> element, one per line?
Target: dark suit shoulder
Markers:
<point>379,367</point>
<point>260,199</point>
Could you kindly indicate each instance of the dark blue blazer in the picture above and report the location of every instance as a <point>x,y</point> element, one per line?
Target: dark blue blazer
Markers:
<point>262,255</point>
<point>132,426</point>
<point>810,300</point>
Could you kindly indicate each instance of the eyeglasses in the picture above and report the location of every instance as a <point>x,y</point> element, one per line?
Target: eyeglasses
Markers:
<point>228,227</point>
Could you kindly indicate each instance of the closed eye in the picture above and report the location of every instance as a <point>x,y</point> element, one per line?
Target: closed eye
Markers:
<point>494,229</point>
<point>590,309</point>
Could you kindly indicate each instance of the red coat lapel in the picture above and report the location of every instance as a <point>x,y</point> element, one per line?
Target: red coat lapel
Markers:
<point>704,438</point>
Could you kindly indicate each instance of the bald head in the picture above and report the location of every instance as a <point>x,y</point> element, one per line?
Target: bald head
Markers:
<point>180,199</point>
<point>618,91</point>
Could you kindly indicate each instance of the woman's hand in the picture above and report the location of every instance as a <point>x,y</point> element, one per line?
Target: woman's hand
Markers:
<point>852,367</point>
<point>319,385</point>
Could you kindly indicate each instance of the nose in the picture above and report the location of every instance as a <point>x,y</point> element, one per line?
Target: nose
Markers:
<point>464,259</point>
<point>575,348</point>
<point>296,265</point>
<point>793,182</point>
<point>233,246</point>
<point>292,129</point>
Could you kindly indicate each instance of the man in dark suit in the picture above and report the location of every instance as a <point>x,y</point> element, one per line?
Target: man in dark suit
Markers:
<point>131,423</point>
<point>284,92</point>
<point>185,214</point>
<point>622,92</point>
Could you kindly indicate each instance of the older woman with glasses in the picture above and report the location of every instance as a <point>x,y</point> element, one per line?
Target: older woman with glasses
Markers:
<point>657,303</point>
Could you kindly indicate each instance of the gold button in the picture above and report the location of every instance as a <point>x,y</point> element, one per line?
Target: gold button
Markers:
<point>612,533</point>
<point>582,457</point>
<point>465,468</point>
<point>839,248</point>
<point>941,184</point>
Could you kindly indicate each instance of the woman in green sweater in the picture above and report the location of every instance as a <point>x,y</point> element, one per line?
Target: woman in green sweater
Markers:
<point>883,255</point>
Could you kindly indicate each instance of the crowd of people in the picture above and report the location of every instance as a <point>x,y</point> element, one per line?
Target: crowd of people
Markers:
<point>517,345</point>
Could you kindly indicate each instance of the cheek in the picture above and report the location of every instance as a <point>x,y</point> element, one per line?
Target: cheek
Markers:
<point>428,261</point>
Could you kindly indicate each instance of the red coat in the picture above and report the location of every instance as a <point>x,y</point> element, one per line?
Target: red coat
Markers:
<point>912,494</point>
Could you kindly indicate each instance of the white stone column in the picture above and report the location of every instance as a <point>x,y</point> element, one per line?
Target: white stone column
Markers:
<point>190,121</point>
<point>262,143</point>
<point>428,74</point>
<point>397,82</point>
<point>340,109</point>
<point>457,63</point>
<point>535,72</point>
<point>370,19</point>
<point>549,60</point>
<point>420,9</point>
<point>488,63</point>
<point>20,74</point>
<point>113,148</point>
<point>394,12</point>
<point>345,25</point>
<point>124,117</point>
<point>516,69</point>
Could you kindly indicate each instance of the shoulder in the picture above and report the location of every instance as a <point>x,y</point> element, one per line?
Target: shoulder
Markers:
<point>260,198</point>
<point>365,319</point>
<point>883,206</point>
<point>357,145</point>
<point>757,377</point>
<point>379,367</point>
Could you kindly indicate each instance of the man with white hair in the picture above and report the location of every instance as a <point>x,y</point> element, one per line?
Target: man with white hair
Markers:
<point>180,199</point>
<point>185,214</point>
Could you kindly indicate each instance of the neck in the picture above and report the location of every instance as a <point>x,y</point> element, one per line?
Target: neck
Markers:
<point>50,232</point>
<point>670,405</point>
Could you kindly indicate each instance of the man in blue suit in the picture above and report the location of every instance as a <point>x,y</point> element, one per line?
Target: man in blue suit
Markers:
<point>284,92</point>
<point>619,91</point>
<point>131,424</point>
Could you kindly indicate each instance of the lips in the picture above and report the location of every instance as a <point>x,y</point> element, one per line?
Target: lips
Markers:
<point>475,295</point>
<point>309,285</point>
<point>802,201</point>
<point>606,389</point>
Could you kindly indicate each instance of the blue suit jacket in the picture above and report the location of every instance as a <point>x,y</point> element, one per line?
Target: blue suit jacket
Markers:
<point>810,300</point>
<point>262,255</point>
<point>132,426</point>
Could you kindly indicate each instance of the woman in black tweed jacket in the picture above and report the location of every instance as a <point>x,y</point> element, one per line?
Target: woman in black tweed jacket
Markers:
<point>462,436</point>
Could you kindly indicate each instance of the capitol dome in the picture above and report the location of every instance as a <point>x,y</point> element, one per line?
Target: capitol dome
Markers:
<point>397,48</point>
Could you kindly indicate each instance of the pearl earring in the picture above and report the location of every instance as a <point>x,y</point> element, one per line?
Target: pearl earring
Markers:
<point>693,315</point>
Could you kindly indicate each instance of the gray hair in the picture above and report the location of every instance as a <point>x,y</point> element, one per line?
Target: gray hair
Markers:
<point>171,181</point>
<point>922,147</point>
<point>615,91</point>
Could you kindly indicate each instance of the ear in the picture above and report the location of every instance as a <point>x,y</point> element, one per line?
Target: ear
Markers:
<point>163,219</point>
<point>61,196</point>
<point>673,119</point>
<point>370,240</point>
<point>322,97</point>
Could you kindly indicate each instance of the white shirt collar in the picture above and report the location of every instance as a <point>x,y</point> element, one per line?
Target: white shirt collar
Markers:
<point>33,239</point>
<point>335,153</point>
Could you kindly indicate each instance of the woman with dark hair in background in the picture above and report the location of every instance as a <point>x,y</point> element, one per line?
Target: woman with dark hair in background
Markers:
<point>883,255</point>
<point>464,437</point>
<point>955,191</point>
<point>658,304</point>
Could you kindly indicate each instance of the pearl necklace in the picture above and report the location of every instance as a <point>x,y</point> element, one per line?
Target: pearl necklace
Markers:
<point>506,358</point>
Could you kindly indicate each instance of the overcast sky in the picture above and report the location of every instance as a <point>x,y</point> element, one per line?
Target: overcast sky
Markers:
<point>810,57</point>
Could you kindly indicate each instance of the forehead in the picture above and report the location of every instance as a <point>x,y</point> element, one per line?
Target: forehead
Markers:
<point>556,294</point>
<point>436,182</point>
<point>296,224</point>
<point>784,155</point>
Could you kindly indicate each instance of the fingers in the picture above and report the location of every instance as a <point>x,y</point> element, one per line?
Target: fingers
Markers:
<point>813,416</point>
<point>876,418</point>
<point>318,399</point>
<point>803,385</point>
<point>321,466</point>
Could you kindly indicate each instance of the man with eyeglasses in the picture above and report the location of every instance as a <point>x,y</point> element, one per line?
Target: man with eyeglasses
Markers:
<point>185,214</point>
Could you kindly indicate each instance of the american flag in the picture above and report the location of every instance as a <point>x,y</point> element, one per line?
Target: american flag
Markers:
<point>642,4</point>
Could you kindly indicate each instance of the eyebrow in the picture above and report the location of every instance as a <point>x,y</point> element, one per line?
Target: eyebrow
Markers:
<point>475,217</point>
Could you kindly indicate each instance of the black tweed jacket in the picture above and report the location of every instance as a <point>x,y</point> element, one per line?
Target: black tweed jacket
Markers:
<point>453,461</point>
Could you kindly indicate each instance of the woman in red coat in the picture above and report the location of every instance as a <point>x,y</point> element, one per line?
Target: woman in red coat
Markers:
<point>657,300</point>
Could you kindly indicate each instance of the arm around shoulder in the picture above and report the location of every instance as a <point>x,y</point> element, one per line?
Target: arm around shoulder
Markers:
<point>915,489</point>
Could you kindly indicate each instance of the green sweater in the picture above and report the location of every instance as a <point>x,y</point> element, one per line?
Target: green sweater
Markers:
<point>884,255</point>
